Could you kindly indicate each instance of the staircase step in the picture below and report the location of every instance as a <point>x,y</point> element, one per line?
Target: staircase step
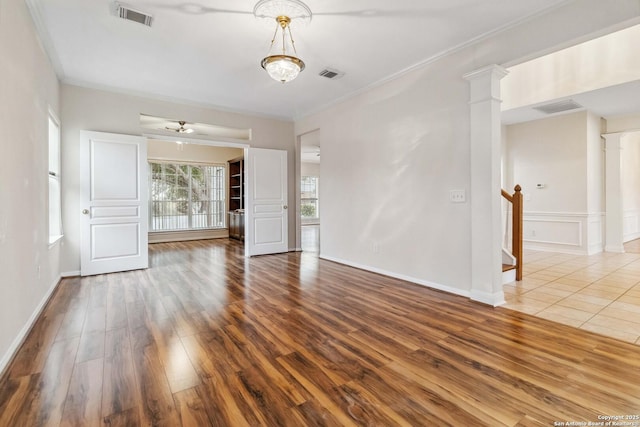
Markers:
<point>507,267</point>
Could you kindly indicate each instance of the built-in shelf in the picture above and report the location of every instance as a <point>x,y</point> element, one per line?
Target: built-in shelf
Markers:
<point>236,198</point>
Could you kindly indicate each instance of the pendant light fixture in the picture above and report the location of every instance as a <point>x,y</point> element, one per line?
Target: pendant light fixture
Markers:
<point>283,66</point>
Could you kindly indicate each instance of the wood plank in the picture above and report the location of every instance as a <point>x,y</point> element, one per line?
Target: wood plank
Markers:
<point>128,418</point>
<point>191,409</point>
<point>84,398</point>
<point>119,387</point>
<point>217,387</point>
<point>73,322</point>
<point>15,399</point>
<point>34,351</point>
<point>319,385</point>
<point>208,337</point>
<point>91,346</point>
<point>49,396</point>
<point>116,310</point>
<point>154,394</point>
<point>178,369</point>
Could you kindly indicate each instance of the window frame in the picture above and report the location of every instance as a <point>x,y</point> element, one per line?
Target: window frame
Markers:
<point>223,190</point>
<point>313,200</point>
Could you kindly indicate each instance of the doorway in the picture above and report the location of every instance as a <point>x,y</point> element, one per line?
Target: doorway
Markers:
<point>309,194</point>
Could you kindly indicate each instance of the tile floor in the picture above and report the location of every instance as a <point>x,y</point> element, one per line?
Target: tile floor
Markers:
<point>598,293</point>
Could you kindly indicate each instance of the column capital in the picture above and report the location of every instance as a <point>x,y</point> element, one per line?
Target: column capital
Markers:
<point>491,71</point>
<point>485,84</point>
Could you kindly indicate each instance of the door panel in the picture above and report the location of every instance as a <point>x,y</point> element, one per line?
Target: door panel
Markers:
<point>111,241</point>
<point>113,198</point>
<point>267,213</point>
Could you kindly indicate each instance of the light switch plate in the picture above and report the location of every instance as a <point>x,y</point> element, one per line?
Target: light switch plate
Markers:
<point>457,196</point>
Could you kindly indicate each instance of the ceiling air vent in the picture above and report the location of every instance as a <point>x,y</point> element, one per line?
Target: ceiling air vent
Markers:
<point>557,107</point>
<point>331,73</point>
<point>125,12</point>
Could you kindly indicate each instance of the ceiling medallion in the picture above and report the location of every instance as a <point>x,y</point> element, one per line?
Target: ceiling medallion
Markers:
<point>283,66</point>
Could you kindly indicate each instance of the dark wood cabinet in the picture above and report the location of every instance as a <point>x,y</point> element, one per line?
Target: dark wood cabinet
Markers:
<point>236,198</point>
<point>236,225</point>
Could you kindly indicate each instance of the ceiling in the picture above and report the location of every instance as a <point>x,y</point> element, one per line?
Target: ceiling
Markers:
<point>184,130</point>
<point>607,102</point>
<point>209,52</point>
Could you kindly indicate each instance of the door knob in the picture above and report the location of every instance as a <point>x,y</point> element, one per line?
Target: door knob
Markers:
<point>85,211</point>
<point>285,207</point>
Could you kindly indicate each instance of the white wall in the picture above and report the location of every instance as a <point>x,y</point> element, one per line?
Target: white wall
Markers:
<point>168,150</point>
<point>309,169</point>
<point>551,152</point>
<point>391,154</point>
<point>28,88</point>
<point>630,185</point>
<point>564,154</point>
<point>96,110</point>
<point>602,62</point>
<point>623,123</point>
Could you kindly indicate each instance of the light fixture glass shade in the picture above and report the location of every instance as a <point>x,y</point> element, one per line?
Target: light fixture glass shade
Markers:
<point>282,68</point>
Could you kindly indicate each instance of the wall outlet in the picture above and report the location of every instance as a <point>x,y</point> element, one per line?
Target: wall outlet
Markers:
<point>375,247</point>
<point>457,196</point>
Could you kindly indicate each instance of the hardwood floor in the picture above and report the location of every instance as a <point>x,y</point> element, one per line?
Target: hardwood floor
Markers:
<point>207,337</point>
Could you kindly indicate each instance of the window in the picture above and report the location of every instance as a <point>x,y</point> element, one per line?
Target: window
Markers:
<point>186,197</point>
<point>55,206</point>
<point>309,197</point>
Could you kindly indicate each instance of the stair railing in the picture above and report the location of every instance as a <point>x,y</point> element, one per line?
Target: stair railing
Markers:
<point>516,227</point>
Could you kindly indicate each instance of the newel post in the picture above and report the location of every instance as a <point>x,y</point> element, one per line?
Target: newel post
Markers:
<point>517,230</point>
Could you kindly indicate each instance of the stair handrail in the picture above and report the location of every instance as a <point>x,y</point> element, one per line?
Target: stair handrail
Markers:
<point>516,243</point>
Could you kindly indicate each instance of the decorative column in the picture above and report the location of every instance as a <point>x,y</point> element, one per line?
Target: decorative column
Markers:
<point>614,230</point>
<point>486,212</point>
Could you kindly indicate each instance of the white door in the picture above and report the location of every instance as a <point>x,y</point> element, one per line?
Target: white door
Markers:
<point>113,203</point>
<point>266,210</point>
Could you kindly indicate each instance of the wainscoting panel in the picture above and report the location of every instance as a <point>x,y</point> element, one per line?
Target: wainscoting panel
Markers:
<point>564,232</point>
<point>631,225</point>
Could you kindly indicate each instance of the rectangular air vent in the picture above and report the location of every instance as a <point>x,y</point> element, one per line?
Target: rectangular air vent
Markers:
<point>557,107</point>
<point>331,73</point>
<point>125,12</point>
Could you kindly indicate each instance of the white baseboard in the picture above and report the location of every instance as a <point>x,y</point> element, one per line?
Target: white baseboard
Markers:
<point>188,235</point>
<point>22,335</point>
<point>70,274</point>
<point>421,282</point>
<point>630,237</point>
<point>508,276</point>
<point>493,300</point>
<point>561,250</point>
<point>614,249</point>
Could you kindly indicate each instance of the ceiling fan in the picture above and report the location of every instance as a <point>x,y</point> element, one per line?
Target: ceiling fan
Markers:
<point>180,129</point>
